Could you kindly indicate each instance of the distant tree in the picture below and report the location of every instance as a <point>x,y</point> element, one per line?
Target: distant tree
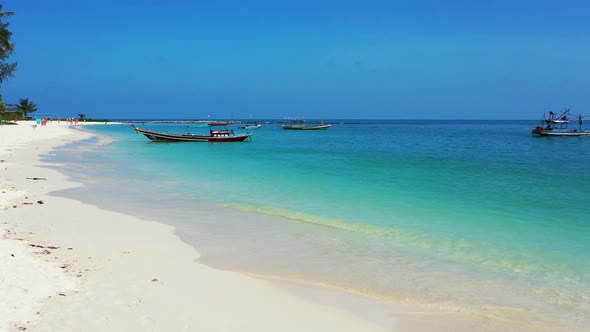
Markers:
<point>82,116</point>
<point>6,48</point>
<point>5,45</point>
<point>25,107</point>
<point>2,109</point>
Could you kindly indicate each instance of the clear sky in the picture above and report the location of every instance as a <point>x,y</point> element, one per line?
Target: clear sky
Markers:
<point>396,59</point>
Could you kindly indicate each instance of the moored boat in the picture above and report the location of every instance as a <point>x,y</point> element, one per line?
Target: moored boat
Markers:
<point>250,126</point>
<point>215,135</point>
<point>557,125</point>
<point>300,125</point>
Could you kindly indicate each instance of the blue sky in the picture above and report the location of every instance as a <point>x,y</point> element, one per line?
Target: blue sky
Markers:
<point>397,59</point>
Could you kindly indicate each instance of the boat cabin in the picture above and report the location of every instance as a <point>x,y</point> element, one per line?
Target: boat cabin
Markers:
<point>221,132</point>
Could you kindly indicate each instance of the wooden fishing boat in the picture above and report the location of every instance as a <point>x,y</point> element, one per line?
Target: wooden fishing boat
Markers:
<point>215,135</point>
<point>557,125</point>
<point>300,125</point>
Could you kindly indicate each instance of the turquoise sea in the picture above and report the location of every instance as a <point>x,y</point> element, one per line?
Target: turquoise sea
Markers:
<point>472,216</point>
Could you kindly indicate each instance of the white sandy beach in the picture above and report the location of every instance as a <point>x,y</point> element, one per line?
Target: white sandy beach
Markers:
<point>68,266</point>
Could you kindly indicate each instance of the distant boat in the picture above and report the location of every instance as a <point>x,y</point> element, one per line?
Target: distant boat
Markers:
<point>300,125</point>
<point>255,126</point>
<point>220,123</point>
<point>557,125</point>
<point>215,135</point>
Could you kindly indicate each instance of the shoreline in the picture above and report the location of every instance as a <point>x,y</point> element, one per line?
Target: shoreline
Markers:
<point>94,270</point>
<point>118,278</point>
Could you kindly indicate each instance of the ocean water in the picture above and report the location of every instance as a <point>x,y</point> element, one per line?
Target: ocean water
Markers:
<point>471,216</point>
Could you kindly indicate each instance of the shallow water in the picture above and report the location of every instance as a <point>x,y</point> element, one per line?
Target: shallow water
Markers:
<point>476,216</point>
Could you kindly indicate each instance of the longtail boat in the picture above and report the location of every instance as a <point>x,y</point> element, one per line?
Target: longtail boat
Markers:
<point>215,135</point>
<point>300,125</point>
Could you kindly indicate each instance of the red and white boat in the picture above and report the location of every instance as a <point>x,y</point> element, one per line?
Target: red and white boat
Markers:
<point>557,125</point>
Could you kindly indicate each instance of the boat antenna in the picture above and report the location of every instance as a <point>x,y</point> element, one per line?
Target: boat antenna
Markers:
<point>566,110</point>
<point>545,114</point>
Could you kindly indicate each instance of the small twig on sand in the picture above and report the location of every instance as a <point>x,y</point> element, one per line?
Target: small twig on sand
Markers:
<point>36,178</point>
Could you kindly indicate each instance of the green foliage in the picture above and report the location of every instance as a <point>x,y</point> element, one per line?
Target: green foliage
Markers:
<point>2,109</point>
<point>6,48</point>
<point>24,107</point>
<point>4,114</point>
<point>82,116</point>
